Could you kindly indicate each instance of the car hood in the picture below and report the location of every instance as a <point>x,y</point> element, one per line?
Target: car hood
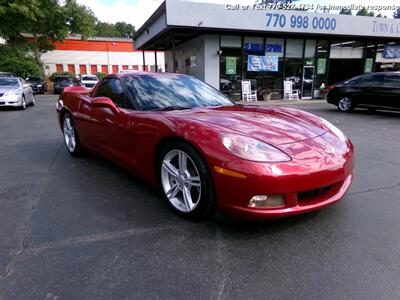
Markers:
<point>5,89</point>
<point>276,126</point>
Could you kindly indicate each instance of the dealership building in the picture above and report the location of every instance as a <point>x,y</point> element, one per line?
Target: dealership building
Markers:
<point>225,44</point>
<point>99,54</point>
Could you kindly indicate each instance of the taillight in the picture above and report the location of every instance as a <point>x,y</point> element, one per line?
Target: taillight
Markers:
<point>330,88</point>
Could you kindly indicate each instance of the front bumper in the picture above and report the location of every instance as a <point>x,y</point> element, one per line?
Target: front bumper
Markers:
<point>38,89</point>
<point>11,102</point>
<point>306,186</point>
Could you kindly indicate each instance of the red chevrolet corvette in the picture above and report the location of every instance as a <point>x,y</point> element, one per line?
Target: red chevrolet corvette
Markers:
<point>207,152</point>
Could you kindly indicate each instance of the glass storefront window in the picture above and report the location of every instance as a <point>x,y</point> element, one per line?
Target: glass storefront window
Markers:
<point>230,41</point>
<point>346,60</point>
<point>253,46</point>
<point>321,72</point>
<point>274,46</point>
<point>309,51</point>
<point>294,48</point>
<point>231,72</point>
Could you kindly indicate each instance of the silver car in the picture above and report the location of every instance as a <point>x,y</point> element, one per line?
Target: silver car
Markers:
<point>14,91</point>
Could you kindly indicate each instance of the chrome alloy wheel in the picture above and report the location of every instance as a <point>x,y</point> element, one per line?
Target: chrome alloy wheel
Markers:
<point>344,104</point>
<point>23,106</point>
<point>69,134</point>
<point>181,180</point>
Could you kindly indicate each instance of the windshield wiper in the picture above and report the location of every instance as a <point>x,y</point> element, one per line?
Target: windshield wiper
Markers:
<point>172,107</point>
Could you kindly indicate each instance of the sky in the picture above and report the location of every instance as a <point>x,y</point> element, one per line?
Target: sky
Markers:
<point>136,12</point>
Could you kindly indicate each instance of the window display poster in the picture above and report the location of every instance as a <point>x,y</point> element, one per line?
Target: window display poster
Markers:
<point>230,65</point>
<point>262,63</point>
<point>368,65</point>
<point>321,66</point>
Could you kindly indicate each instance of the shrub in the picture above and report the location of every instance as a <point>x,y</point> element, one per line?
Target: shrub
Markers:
<point>100,75</point>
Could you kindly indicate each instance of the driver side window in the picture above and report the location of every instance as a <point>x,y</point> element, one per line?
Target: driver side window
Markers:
<point>112,88</point>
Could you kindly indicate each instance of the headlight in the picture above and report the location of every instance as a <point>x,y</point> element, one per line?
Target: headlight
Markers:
<point>252,149</point>
<point>39,85</point>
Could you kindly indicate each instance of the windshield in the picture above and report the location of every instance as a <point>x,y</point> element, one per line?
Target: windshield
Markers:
<point>89,78</point>
<point>64,80</point>
<point>8,82</point>
<point>156,91</point>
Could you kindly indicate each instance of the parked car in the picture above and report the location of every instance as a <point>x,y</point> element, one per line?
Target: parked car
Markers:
<point>61,82</point>
<point>37,84</point>
<point>206,152</point>
<point>89,81</point>
<point>7,74</point>
<point>14,91</point>
<point>372,90</point>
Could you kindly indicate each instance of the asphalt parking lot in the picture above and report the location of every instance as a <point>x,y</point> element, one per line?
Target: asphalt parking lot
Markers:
<point>86,229</point>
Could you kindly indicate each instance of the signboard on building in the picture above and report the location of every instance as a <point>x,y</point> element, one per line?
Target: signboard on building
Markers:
<point>230,65</point>
<point>253,18</point>
<point>262,63</point>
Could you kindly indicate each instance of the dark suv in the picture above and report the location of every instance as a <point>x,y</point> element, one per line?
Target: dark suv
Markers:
<point>61,82</point>
<point>37,84</point>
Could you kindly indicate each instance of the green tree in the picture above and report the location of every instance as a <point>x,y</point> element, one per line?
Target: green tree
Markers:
<point>365,12</point>
<point>396,13</point>
<point>119,29</point>
<point>46,20</point>
<point>379,15</point>
<point>106,30</point>
<point>126,30</point>
<point>17,58</point>
<point>345,12</point>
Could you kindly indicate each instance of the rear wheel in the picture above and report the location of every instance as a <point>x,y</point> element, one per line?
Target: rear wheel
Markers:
<point>186,181</point>
<point>71,139</point>
<point>345,104</point>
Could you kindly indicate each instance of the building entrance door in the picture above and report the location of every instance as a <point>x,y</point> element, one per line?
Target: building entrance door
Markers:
<point>308,82</point>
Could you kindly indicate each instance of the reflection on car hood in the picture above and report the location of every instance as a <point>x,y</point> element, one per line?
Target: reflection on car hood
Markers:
<point>276,126</point>
<point>5,89</point>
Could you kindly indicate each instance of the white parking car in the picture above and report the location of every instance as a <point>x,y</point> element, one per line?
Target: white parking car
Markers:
<point>89,81</point>
<point>14,91</point>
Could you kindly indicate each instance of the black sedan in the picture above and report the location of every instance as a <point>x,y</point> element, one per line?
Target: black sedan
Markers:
<point>37,84</point>
<point>372,90</point>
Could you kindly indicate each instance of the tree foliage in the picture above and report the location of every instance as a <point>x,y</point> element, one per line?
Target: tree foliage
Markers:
<point>46,20</point>
<point>345,11</point>
<point>17,58</point>
<point>365,12</point>
<point>396,13</point>
<point>119,29</point>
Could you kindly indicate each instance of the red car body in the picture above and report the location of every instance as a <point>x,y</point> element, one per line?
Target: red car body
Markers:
<point>319,173</point>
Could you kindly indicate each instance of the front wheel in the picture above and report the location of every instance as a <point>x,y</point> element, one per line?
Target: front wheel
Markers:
<point>186,181</point>
<point>33,101</point>
<point>23,104</point>
<point>345,104</point>
<point>71,139</point>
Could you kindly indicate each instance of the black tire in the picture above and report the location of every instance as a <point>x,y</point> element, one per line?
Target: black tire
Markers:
<point>23,106</point>
<point>33,102</point>
<point>206,204</point>
<point>345,104</point>
<point>77,150</point>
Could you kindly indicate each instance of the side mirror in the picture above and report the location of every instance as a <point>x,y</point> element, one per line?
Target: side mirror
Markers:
<point>105,102</point>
